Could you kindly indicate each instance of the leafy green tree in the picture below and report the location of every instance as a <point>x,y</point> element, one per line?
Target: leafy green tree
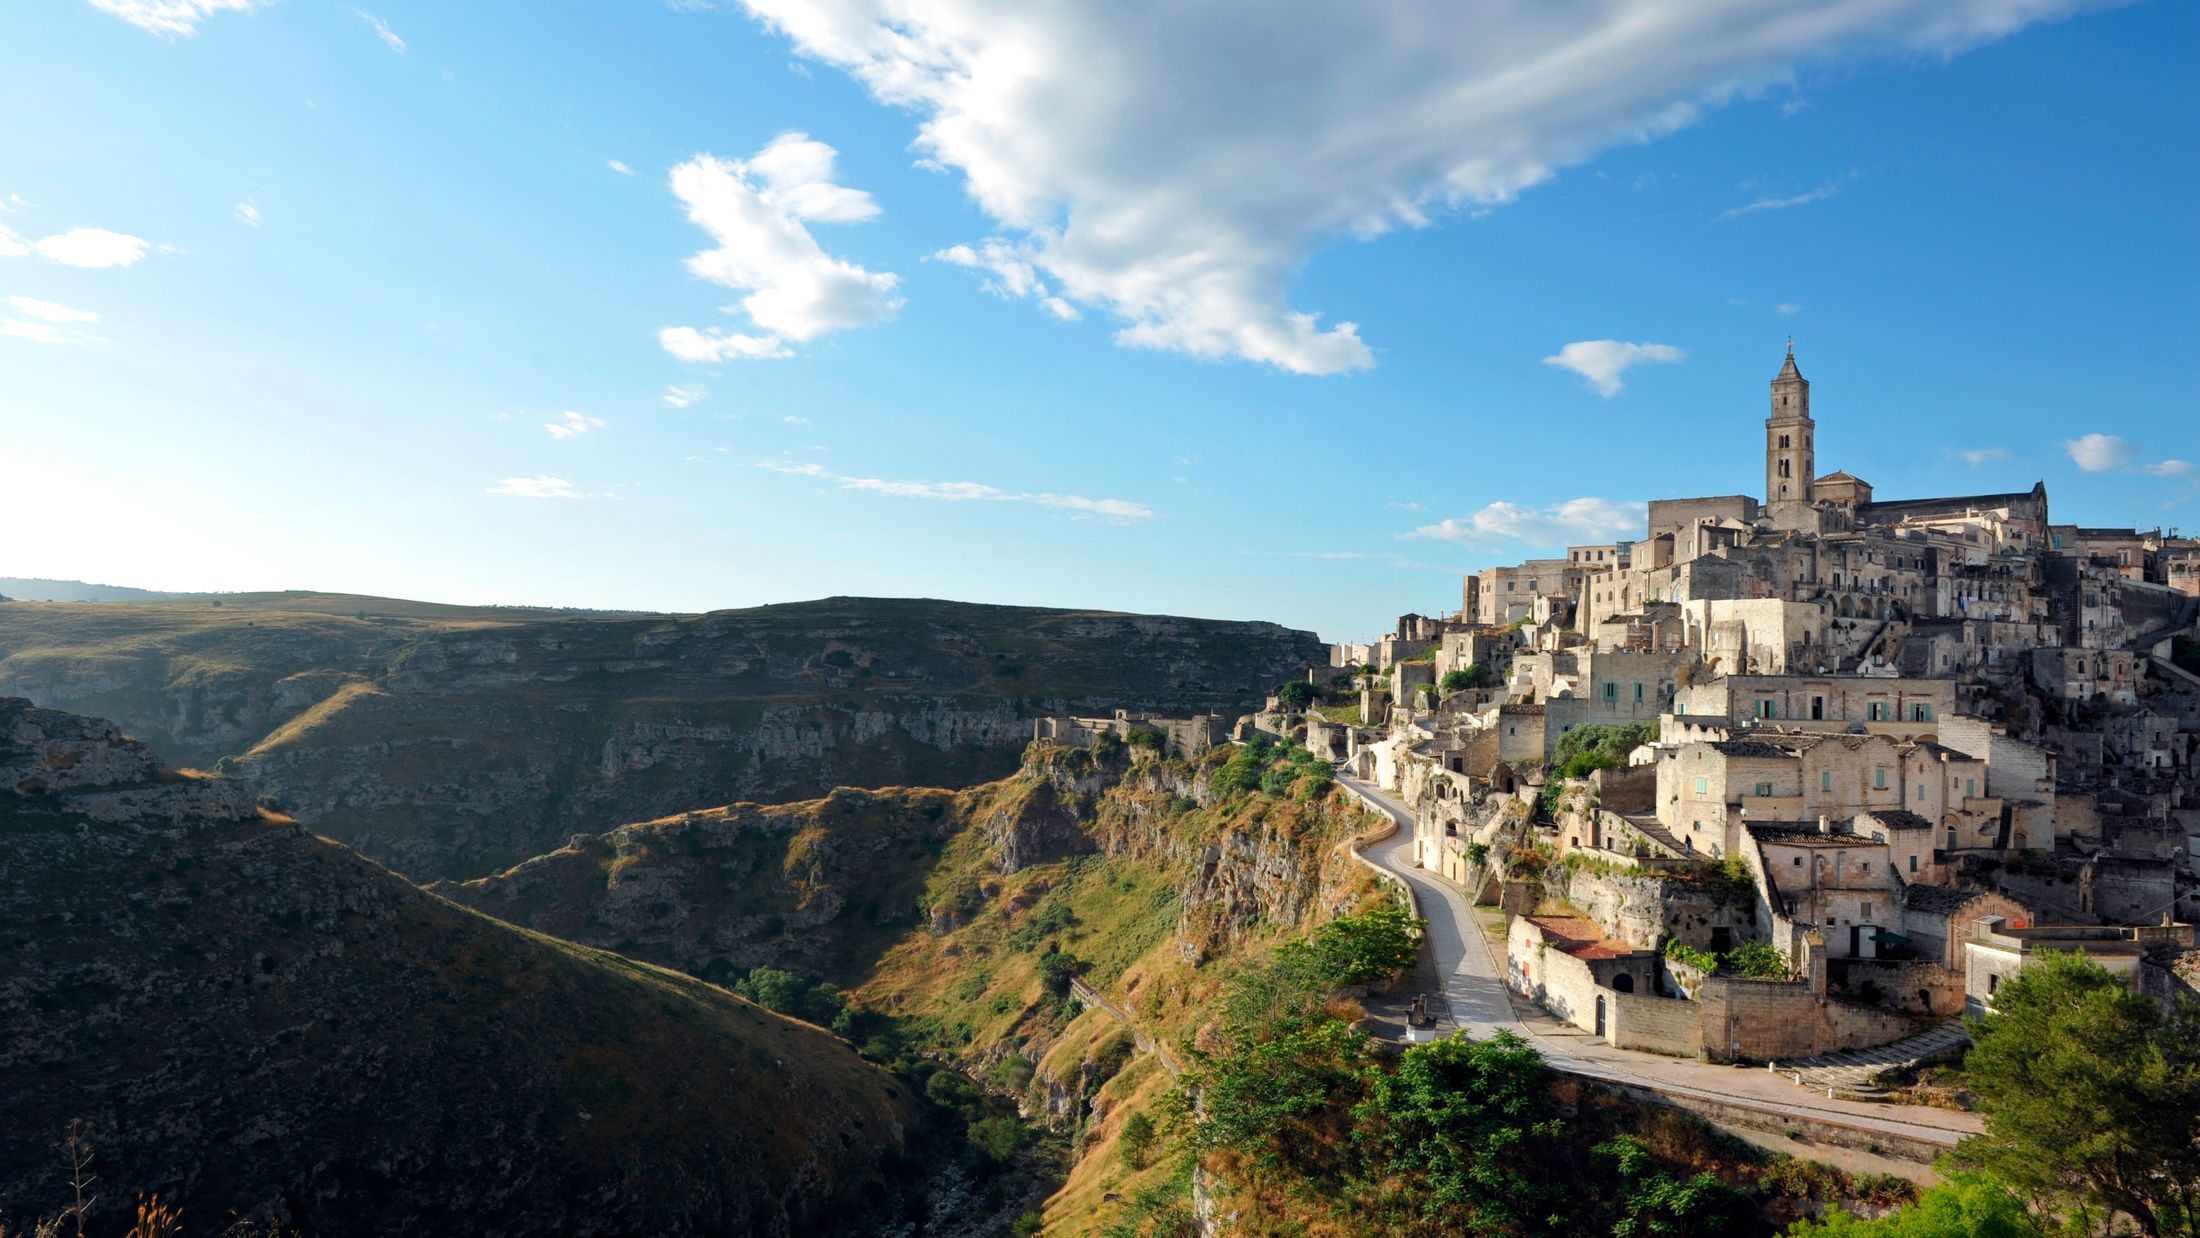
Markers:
<point>1282,1101</point>
<point>1474,676</point>
<point>1135,1144</point>
<point>1965,1206</point>
<point>1460,1136</point>
<point>1586,749</point>
<point>1296,695</point>
<point>1657,1204</point>
<point>1757,960</point>
<point>1365,948</point>
<point>2092,1098</point>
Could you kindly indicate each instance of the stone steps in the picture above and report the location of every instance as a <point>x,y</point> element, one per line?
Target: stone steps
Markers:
<point>1862,1072</point>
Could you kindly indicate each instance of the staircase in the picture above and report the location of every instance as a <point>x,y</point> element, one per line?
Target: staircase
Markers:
<point>1860,1074</point>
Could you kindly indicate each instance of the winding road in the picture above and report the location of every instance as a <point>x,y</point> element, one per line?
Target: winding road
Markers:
<point>1478,1003</point>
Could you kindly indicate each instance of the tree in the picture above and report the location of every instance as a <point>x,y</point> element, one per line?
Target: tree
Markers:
<point>1296,695</point>
<point>1283,1100</point>
<point>1136,1141</point>
<point>1462,1131</point>
<point>2092,1098</point>
<point>1366,948</point>
<point>1586,749</point>
<point>1656,1204</point>
<point>997,1137</point>
<point>1474,676</point>
<point>1965,1206</point>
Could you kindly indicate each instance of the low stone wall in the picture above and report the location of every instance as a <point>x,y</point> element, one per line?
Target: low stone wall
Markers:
<point>1816,1129</point>
<point>1652,1024</point>
<point>1766,1020</point>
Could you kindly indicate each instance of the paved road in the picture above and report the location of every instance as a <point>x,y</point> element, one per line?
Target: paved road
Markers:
<point>1474,989</point>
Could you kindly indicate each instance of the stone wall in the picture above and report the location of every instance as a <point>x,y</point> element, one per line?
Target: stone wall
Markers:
<point>1767,1020</point>
<point>1654,1024</point>
<point>1914,987</point>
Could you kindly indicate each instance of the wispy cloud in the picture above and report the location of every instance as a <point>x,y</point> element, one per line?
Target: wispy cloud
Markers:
<point>618,166</point>
<point>1602,362</point>
<point>1574,521</point>
<point>45,322</point>
<point>792,420</point>
<point>1117,510</point>
<point>1787,309</point>
<point>1819,194</point>
<point>572,425</point>
<point>2106,453</point>
<point>382,28</point>
<point>687,396</point>
<point>539,488</point>
<point>1010,274</point>
<point>1976,456</point>
<point>173,18</point>
<point>247,214</point>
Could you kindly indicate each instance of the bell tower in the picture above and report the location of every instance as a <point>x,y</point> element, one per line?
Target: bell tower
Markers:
<point>1790,459</point>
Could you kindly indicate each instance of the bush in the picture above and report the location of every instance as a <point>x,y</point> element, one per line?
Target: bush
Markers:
<point>1366,948</point>
<point>1475,676</point>
<point>1147,738</point>
<point>1296,695</point>
<point>1586,749</point>
<point>997,1137</point>
<point>1056,970</point>
<point>1757,960</point>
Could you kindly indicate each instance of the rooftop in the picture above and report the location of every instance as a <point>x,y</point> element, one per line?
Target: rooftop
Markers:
<point>1802,834</point>
<point>1937,900</point>
<point>1899,819</point>
<point>1581,937</point>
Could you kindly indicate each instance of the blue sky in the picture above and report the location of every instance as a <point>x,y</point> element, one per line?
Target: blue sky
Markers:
<point>307,295</point>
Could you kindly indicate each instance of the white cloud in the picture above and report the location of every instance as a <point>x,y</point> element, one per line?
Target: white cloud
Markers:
<point>1819,194</point>
<point>758,211</point>
<point>1574,521</point>
<point>686,397</point>
<point>1602,362</point>
<point>1117,510</point>
<point>1177,165</point>
<point>1977,456</point>
<point>1010,274</point>
<point>793,420</point>
<point>35,332</point>
<point>1787,309</point>
<point>2106,453</point>
<point>572,425</point>
<point>537,488</point>
<point>80,247</point>
<point>45,322</point>
<point>618,166</point>
<point>382,28</point>
<point>50,311</point>
<point>248,214</point>
<point>172,17</point>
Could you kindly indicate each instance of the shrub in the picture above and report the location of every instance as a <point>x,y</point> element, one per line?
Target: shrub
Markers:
<point>1296,695</point>
<point>1147,738</point>
<point>997,1137</point>
<point>1136,1143</point>
<point>1475,676</point>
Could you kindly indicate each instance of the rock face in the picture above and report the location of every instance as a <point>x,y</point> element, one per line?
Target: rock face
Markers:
<point>252,1020</point>
<point>826,886</point>
<point>451,749</point>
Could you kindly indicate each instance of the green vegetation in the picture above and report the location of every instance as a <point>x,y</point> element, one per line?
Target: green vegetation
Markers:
<point>1586,749</point>
<point>2092,1098</point>
<point>1276,769</point>
<point>1369,947</point>
<point>1296,695</point>
<point>1680,951</point>
<point>1965,1206</point>
<point>1474,676</point>
<point>1756,960</point>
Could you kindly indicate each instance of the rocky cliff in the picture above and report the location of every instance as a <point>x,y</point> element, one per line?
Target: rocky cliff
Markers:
<point>449,746</point>
<point>253,1021</point>
<point>827,886</point>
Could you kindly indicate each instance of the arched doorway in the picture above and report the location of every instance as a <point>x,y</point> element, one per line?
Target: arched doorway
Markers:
<point>1623,983</point>
<point>1600,1016</point>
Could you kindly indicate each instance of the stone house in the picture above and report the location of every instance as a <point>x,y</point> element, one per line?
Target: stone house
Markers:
<point>1568,966</point>
<point>1996,948</point>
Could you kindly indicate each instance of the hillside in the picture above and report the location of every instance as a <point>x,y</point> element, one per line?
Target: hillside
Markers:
<point>453,746</point>
<point>253,1020</point>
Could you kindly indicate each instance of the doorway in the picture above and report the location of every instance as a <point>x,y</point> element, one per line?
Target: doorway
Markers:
<point>1600,1016</point>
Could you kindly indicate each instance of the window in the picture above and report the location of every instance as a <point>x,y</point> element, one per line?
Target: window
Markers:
<point>1970,788</point>
<point>1703,786</point>
<point>1921,712</point>
<point>1611,692</point>
<point>1638,694</point>
<point>1765,710</point>
<point>1798,861</point>
<point>1921,790</point>
<point>1825,780</point>
<point>1783,438</point>
<point>1764,788</point>
<point>1680,709</point>
<point>1913,863</point>
<point>1877,712</point>
<point>1879,778</point>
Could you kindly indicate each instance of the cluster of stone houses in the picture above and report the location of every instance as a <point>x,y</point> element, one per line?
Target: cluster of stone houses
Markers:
<point>1907,741</point>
